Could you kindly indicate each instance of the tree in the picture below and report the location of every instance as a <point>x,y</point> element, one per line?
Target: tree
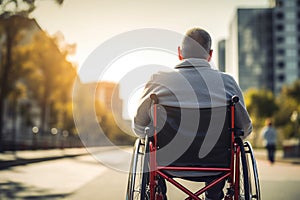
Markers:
<point>10,29</point>
<point>20,6</point>
<point>50,81</point>
<point>261,104</point>
<point>13,15</point>
<point>289,101</point>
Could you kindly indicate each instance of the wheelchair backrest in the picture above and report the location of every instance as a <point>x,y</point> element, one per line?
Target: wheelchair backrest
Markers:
<point>193,137</point>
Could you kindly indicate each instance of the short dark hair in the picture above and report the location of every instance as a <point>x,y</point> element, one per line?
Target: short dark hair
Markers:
<point>268,122</point>
<point>195,39</point>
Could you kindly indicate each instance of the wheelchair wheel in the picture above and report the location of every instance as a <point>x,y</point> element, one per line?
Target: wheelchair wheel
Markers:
<point>252,172</point>
<point>244,188</point>
<point>137,179</point>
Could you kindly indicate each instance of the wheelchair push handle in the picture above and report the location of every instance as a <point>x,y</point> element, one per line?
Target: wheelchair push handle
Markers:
<point>154,98</point>
<point>234,99</point>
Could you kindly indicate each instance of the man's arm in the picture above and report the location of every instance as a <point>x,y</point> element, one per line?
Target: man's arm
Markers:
<point>243,120</point>
<point>142,117</point>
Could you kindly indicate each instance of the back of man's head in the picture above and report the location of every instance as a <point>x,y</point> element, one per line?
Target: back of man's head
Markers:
<point>196,44</point>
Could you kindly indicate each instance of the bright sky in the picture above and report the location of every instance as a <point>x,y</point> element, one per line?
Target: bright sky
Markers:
<point>90,23</point>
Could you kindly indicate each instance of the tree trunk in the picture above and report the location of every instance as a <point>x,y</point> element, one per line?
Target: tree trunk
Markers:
<point>4,79</point>
<point>1,123</point>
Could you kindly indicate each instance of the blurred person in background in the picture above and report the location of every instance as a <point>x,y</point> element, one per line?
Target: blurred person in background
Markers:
<point>269,135</point>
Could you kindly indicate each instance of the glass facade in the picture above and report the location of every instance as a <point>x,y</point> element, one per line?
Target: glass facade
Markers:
<point>221,55</point>
<point>263,48</point>
<point>290,43</point>
<point>254,48</point>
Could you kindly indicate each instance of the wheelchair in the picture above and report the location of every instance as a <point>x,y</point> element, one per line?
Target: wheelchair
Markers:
<point>235,162</point>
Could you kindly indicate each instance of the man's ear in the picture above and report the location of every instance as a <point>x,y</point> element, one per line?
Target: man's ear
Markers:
<point>210,55</point>
<point>179,53</point>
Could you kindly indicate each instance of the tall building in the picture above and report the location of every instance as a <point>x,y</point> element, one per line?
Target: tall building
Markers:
<point>263,47</point>
<point>109,94</point>
<point>286,25</point>
<point>221,55</point>
<point>249,49</point>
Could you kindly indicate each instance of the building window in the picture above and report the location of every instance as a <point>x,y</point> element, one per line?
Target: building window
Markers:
<point>280,51</point>
<point>281,77</point>
<point>280,27</point>
<point>280,39</point>
<point>281,65</point>
<point>280,4</point>
<point>280,15</point>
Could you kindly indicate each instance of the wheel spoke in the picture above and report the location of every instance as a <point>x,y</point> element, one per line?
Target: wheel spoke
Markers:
<point>135,188</point>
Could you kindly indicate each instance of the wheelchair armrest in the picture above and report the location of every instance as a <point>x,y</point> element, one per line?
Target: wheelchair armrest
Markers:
<point>238,132</point>
<point>147,131</point>
<point>154,98</point>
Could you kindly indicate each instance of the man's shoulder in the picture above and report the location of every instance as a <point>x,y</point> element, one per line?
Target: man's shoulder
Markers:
<point>164,73</point>
<point>227,78</point>
<point>226,75</point>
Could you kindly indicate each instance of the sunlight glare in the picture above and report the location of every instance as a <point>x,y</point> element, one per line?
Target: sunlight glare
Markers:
<point>128,63</point>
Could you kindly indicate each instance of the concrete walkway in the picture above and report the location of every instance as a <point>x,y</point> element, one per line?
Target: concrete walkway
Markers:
<point>11,159</point>
<point>261,154</point>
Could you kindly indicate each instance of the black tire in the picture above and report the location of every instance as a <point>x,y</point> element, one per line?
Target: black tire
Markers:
<point>244,189</point>
<point>252,172</point>
<point>145,193</point>
<point>137,179</point>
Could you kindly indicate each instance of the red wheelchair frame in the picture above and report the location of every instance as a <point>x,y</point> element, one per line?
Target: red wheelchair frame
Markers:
<point>239,162</point>
<point>233,173</point>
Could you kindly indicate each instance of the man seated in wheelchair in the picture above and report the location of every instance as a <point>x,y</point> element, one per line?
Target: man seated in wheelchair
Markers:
<point>192,111</point>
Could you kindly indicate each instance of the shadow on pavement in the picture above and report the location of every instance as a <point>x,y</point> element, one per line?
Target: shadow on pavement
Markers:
<point>12,163</point>
<point>13,190</point>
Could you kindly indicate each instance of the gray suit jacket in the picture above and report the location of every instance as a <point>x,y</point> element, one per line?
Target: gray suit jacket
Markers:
<point>192,84</point>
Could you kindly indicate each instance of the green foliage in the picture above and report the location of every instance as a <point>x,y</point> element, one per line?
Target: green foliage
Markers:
<point>20,7</point>
<point>51,81</point>
<point>289,101</point>
<point>292,92</point>
<point>13,19</point>
<point>261,104</point>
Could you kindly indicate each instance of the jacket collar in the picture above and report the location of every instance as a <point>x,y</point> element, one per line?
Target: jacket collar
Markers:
<point>193,62</point>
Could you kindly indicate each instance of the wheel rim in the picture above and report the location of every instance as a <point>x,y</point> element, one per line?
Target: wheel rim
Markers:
<point>252,172</point>
<point>137,179</point>
<point>243,193</point>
